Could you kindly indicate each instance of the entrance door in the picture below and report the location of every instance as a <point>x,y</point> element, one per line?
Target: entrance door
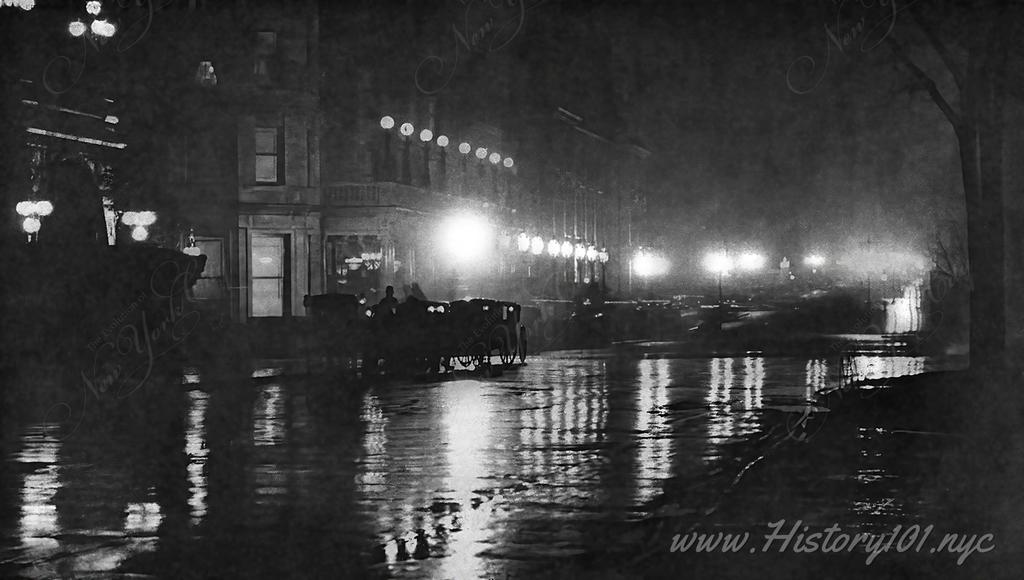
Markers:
<point>269,276</point>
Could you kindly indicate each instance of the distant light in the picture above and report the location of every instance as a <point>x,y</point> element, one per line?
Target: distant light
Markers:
<point>537,245</point>
<point>426,135</point>
<point>602,256</point>
<point>464,148</point>
<point>76,28</point>
<point>466,237</point>
<point>387,122</point>
<point>93,7</point>
<point>751,261</point>
<point>191,251</point>
<point>553,248</point>
<point>647,265</point>
<point>407,129</point>
<point>718,262</point>
<point>814,260</point>
<point>580,252</point>
<point>25,208</point>
<point>31,225</point>
<point>523,242</point>
<point>140,233</point>
<point>591,253</point>
<point>508,162</point>
<point>442,141</point>
<point>481,153</point>
<point>112,120</point>
<point>441,309</point>
<point>566,249</point>
<point>495,158</point>
<point>44,208</point>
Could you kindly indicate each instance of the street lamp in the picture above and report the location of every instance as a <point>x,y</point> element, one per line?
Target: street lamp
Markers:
<point>100,28</point>
<point>815,261</point>
<point>523,242</point>
<point>139,221</point>
<point>719,263</point>
<point>537,245</point>
<point>750,261</point>
<point>554,248</point>
<point>32,211</point>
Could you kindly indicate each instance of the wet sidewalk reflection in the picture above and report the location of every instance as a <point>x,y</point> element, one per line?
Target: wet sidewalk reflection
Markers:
<point>269,472</point>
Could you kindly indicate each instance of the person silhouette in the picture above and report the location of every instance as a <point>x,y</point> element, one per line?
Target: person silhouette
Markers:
<point>389,301</point>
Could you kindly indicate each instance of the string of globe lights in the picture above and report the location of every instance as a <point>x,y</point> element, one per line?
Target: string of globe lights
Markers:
<point>564,248</point>
<point>407,130</point>
<point>23,4</point>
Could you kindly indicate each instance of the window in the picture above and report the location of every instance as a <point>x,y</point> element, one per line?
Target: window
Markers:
<point>268,158</point>
<point>269,266</point>
<point>266,46</point>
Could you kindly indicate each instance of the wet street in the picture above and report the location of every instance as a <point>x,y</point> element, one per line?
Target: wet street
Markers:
<point>272,472</point>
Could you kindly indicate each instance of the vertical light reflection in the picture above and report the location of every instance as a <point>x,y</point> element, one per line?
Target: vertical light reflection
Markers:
<point>268,416</point>
<point>467,422</point>
<point>653,463</point>
<point>371,481</point>
<point>869,367</point>
<point>142,518</point>
<point>195,449</point>
<point>721,422</point>
<point>903,314</point>
<point>38,521</point>
<point>816,377</point>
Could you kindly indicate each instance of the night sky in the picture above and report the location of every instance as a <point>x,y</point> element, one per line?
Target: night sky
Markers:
<point>749,146</point>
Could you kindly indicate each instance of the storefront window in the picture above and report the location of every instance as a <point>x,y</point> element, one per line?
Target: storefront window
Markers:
<point>354,264</point>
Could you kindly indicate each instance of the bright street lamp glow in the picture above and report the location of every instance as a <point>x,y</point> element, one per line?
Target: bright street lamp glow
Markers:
<point>93,7</point>
<point>464,148</point>
<point>580,252</point>
<point>751,261</point>
<point>442,141</point>
<point>495,158</point>
<point>140,233</point>
<point>647,265</point>
<point>44,208</point>
<point>591,253</point>
<point>814,260</point>
<point>426,135</point>
<point>481,152</point>
<point>406,129</point>
<point>523,242</point>
<point>718,262</point>
<point>31,225</point>
<point>25,208</point>
<point>508,162</point>
<point>553,248</point>
<point>566,249</point>
<point>76,28</point>
<point>537,245</point>
<point>387,122</point>
<point>466,237</point>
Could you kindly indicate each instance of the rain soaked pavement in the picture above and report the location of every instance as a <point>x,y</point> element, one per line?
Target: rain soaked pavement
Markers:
<point>273,472</point>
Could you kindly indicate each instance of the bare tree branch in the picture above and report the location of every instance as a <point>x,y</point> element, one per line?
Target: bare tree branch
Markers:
<point>940,49</point>
<point>951,115</point>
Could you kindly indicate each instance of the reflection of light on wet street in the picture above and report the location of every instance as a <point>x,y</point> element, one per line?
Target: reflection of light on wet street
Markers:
<point>195,449</point>
<point>142,518</point>
<point>817,377</point>
<point>653,456</point>
<point>867,367</point>
<point>467,421</point>
<point>904,314</point>
<point>268,416</point>
<point>38,512</point>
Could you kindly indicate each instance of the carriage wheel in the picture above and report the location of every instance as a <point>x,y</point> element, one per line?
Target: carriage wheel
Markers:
<point>479,355</point>
<point>521,346</point>
<point>506,353</point>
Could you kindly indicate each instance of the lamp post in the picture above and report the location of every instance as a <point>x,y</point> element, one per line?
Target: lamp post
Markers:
<point>387,122</point>
<point>99,29</point>
<point>32,211</point>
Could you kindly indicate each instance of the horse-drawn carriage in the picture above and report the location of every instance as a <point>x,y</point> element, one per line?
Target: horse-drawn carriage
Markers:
<point>418,335</point>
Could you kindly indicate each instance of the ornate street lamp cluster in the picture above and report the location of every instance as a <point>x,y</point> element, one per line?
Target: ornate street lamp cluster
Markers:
<point>565,248</point>
<point>32,211</point>
<point>139,221</point>
<point>100,28</point>
<point>407,130</point>
<point>23,4</point>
